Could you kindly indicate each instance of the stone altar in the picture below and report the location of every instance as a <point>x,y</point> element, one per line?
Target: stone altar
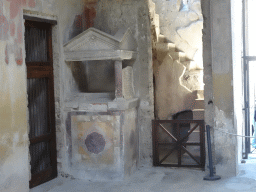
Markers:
<point>102,133</point>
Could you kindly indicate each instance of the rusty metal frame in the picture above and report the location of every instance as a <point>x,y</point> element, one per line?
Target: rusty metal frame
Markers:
<point>179,143</point>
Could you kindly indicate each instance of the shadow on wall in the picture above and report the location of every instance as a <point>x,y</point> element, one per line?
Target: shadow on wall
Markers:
<point>171,96</point>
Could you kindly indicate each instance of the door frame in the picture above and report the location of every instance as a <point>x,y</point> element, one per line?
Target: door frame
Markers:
<point>246,83</point>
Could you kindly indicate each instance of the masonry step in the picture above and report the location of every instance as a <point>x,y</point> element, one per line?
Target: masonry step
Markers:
<point>152,7</point>
<point>189,64</point>
<point>165,47</point>
<point>198,114</point>
<point>200,94</point>
<point>180,56</point>
<point>195,72</point>
<point>199,104</point>
<point>157,24</point>
<point>162,39</point>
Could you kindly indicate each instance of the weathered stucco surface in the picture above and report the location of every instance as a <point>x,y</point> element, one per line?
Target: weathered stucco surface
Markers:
<point>14,159</point>
<point>182,27</point>
<point>179,86</point>
<point>171,96</point>
<point>14,143</point>
<point>219,71</point>
<point>112,15</point>
<point>73,17</point>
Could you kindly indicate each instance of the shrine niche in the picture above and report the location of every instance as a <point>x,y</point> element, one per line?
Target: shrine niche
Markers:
<point>102,114</point>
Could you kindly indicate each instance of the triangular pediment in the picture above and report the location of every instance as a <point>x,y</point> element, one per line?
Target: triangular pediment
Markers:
<point>94,44</point>
<point>92,39</point>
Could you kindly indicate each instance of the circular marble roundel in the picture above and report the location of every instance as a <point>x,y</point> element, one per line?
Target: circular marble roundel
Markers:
<point>95,142</point>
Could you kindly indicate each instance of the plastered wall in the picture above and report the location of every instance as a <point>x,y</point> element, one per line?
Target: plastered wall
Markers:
<point>14,143</point>
<point>14,159</point>
<point>181,26</point>
<point>222,78</point>
<point>178,79</point>
<point>72,18</point>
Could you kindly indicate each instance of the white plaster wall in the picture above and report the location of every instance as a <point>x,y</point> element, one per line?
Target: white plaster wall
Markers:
<point>14,159</point>
<point>182,27</point>
<point>219,84</point>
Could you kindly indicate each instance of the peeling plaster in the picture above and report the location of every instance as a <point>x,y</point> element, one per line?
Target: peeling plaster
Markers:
<point>225,148</point>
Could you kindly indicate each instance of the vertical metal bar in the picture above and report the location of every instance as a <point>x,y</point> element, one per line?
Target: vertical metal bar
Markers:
<point>211,176</point>
<point>45,106</point>
<point>201,132</point>
<point>209,149</point>
<point>37,106</point>
<point>29,45</point>
<point>37,44</point>
<point>42,105</point>
<point>246,79</point>
<point>32,102</point>
<point>40,45</point>
<point>154,142</point>
<point>179,147</point>
<point>45,46</point>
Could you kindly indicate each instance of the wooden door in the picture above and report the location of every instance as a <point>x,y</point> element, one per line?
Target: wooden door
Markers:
<point>41,108</point>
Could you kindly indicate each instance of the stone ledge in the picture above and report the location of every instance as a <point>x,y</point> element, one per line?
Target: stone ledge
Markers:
<point>95,102</point>
<point>99,55</point>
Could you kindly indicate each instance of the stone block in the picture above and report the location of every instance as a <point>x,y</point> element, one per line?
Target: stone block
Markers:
<point>93,107</point>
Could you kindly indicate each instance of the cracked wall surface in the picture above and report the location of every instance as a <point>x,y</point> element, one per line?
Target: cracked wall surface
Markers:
<point>14,142</point>
<point>180,25</point>
<point>176,34</point>
<point>73,17</point>
<point>223,81</point>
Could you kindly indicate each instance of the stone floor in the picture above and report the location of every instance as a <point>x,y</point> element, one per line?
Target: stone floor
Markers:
<point>161,180</point>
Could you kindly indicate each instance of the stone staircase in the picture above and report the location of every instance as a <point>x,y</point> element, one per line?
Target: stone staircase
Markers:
<point>198,111</point>
<point>162,47</point>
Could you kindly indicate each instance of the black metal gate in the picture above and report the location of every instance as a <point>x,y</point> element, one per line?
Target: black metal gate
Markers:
<point>40,102</point>
<point>179,143</point>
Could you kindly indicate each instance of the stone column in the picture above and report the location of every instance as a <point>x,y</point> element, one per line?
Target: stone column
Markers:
<point>118,79</point>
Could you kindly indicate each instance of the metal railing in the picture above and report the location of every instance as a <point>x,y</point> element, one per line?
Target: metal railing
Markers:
<point>178,143</point>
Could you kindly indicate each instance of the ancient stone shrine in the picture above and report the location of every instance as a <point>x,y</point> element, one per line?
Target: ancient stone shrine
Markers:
<point>102,135</point>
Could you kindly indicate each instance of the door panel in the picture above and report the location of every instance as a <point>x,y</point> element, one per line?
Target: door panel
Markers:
<point>40,102</point>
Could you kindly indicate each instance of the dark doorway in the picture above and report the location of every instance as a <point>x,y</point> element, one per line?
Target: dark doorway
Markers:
<point>39,62</point>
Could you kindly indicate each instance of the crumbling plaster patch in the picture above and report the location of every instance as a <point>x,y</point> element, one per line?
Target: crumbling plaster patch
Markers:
<point>218,78</point>
<point>14,158</point>
<point>224,151</point>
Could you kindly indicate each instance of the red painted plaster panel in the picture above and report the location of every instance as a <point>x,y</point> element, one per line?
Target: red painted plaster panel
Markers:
<point>12,28</point>
<point>92,15</point>
<point>31,3</point>
<point>20,33</point>
<point>1,8</point>
<point>15,7</point>
<point>18,56</point>
<point>6,55</point>
<point>4,28</point>
<point>78,21</point>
